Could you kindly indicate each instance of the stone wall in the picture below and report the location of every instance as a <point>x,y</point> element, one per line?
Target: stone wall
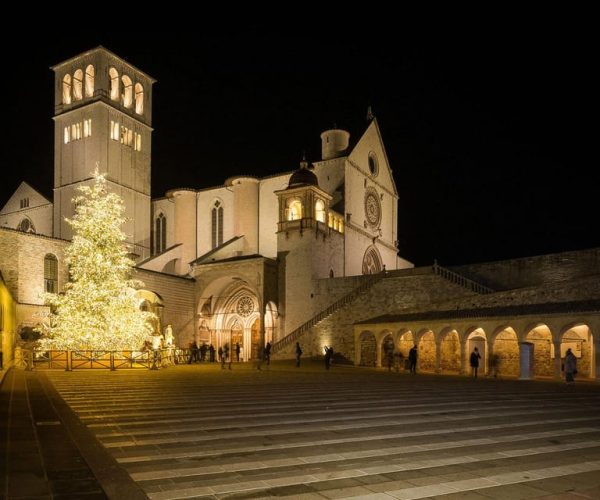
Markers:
<point>534,271</point>
<point>399,291</point>
<point>22,263</point>
<point>178,297</point>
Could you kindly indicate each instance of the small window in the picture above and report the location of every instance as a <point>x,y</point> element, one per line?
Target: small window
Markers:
<point>87,128</point>
<point>50,273</point>
<point>217,224</point>
<point>67,134</point>
<point>114,84</point>
<point>78,85</point>
<point>373,165</point>
<point>320,211</point>
<point>160,234</point>
<point>127,97</point>
<point>139,98</point>
<point>67,89</point>
<point>295,210</point>
<point>138,142</point>
<point>90,75</point>
<point>24,202</point>
<point>115,131</point>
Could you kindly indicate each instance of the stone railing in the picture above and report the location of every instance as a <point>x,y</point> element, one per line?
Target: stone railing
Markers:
<point>460,280</point>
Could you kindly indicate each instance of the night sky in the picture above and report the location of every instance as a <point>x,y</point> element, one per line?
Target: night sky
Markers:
<point>485,136</point>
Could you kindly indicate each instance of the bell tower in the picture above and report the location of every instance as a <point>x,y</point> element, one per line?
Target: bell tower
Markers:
<point>308,247</point>
<point>103,119</point>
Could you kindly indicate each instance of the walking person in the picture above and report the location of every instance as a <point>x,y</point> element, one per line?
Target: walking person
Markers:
<point>298,354</point>
<point>474,361</point>
<point>412,359</point>
<point>570,367</point>
<point>268,353</point>
<point>211,353</point>
<point>328,356</point>
<point>238,349</point>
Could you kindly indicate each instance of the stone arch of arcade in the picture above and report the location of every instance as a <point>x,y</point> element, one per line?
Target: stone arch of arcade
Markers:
<point>519,346</point>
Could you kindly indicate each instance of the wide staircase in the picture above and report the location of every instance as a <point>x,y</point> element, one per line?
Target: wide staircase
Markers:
<point>317,318</point>
<point>442,272</point>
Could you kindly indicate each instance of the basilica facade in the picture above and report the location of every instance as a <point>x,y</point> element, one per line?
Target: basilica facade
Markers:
<point>247,254</point>
<point>308,255</point>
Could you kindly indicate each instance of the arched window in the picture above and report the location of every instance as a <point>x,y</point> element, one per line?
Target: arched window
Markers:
<point>26,226</point>
<point>160,234</point>
<point>90,75</point>
<point>139,98</point>
<point>295,210</point>
<point>217,224</point>
<point>78,85</point>
<point>320,211</point>
<point>127,91</point>
<point>50,273</point>
<point>67,89</point>
<point>114,84</point>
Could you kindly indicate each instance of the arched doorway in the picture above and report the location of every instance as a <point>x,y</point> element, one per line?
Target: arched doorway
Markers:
<point>477,339</point>
<point>579,339</point>
<point>506,351</point>
<point>368,349</point>
<point>152,302</point>
<point>450,352</point>
<point>426,352</point>
<point>406,341</point>
<point>543,353</point>
<point>237,337</point>
<point>387,350</point>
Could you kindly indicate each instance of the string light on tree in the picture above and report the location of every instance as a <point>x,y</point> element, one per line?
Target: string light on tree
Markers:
<point>99,309</point>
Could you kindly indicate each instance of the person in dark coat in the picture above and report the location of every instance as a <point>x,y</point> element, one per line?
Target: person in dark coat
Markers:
<point>570,367</point>
<point>238,349</point>
<point>412,359</point>
<point>298,354</point>
<point>211,353</point>
<point>328,356</point>
<point>203,349</point>
<point>474,361</point>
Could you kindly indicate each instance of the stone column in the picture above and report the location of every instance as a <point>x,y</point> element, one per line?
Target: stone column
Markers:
<point>378,344</point>
<point>596,360</point>
<point>463,357</point>
<point>438,356</point>
<point>557,360</point>
<point>491,365</point>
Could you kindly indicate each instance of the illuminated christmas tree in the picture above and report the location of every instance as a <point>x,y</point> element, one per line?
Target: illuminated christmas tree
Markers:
<point>99,309</point>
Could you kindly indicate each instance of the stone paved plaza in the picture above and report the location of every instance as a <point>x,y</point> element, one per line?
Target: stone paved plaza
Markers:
<point>202,432</point>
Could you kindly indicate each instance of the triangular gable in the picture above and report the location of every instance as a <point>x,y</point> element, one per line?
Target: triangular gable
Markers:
<point>36,199</point>
<point>372,142</point>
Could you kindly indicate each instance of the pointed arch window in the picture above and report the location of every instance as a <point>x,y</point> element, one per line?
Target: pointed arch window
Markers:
<point>372,261</point>
<point>50,273</point>
<point>78,85</point>
<point>67,89</point>
<point>90,76</point>
<point>320,211</point>
<point>127,91</point>
<point>217,224</point>
<point>114,84</point>
<point>294,210</point>
<point>139,98</point>
<point>160,234</point>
